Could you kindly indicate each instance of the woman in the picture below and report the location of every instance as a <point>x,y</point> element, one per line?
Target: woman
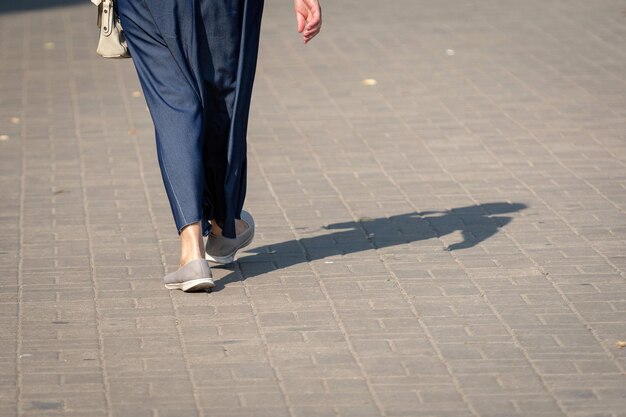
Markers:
<point>196,61</point>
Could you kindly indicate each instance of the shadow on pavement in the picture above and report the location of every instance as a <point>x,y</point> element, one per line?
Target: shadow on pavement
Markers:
<point>7,6</point>
<point>476,224</point>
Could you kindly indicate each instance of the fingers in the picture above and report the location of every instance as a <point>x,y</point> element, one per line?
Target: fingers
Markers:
<point>301,21</point>
<point>309,18</point>
<point>314,21</point>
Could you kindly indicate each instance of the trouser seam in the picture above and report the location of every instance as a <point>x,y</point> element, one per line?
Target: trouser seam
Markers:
<point>167,178</point>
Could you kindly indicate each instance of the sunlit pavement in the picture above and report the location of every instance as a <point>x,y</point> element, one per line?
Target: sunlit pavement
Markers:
<point>439,189</point>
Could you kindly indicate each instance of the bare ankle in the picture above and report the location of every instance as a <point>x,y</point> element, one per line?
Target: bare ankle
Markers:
<point>191,244</point>
<point>240,227</point>
<point>216,230</point>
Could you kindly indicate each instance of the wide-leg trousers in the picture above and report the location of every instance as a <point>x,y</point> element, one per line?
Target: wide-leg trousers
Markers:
<point>196,61</point>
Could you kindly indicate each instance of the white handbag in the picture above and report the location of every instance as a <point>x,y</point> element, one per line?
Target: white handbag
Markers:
<point>112,42</point>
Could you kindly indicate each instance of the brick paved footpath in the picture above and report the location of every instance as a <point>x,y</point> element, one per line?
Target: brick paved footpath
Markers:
<point>448,242</point>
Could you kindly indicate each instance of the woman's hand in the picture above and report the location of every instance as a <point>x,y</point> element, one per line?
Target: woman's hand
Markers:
<point>308,17</point>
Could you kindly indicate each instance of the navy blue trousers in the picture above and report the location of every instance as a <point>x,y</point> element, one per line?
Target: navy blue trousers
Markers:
<point>196,61</point>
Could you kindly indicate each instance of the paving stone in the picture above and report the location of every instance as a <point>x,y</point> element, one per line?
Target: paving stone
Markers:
<point>446,240</point>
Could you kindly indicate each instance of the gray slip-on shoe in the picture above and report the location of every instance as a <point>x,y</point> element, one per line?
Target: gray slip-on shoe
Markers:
<point>194,276</point>
<point>222,249</point>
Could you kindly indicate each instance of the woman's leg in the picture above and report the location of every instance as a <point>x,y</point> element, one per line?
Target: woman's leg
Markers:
<point>176,110</point>
<point>191,244</point>
<point>230,29</point>
<point>196,62</point>
<point>208,47</point>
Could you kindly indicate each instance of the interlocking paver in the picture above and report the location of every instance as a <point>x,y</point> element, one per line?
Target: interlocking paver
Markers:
<point>447,241</point>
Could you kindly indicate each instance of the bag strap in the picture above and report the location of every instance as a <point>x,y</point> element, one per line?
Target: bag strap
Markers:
<point>106,17</point>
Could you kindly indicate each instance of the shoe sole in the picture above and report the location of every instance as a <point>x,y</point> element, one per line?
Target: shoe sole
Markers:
<point>192,285</point>
<point>229,258</point>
